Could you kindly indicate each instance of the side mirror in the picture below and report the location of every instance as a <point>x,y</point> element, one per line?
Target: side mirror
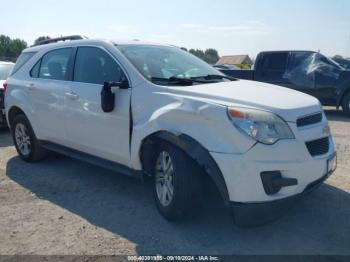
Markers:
<point>108,97</point>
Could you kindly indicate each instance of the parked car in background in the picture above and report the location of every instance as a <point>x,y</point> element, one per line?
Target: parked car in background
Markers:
<point>5,70</point>
<point>305,71</point>
<point>343,62</point>
<point>227,67</point>
<point>158,112</point>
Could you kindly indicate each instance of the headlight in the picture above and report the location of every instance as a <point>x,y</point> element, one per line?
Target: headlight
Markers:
<point>262,126</point>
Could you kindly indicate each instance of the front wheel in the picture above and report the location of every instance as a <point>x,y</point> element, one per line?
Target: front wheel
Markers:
<point>175,182</point>
<point>26,143</point>
<point>346,104</point>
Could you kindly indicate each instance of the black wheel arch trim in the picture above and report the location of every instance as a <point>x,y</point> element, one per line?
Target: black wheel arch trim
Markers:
<point>197,152</point>
<point>14,111</point>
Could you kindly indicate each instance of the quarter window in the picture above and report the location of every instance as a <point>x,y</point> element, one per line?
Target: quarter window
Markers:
<point>95,66</point>
<point>35,70</point>
<point>54,64</point>
<point>22,59</point>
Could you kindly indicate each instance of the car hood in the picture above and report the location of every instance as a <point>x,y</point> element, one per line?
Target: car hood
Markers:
<point>285,102</point>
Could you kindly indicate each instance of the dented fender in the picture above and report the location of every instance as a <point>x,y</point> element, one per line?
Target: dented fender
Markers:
<point>203,121</point>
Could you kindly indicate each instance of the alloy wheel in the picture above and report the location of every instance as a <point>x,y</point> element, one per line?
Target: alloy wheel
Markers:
<point>23,139</point>
<point>164,178</point>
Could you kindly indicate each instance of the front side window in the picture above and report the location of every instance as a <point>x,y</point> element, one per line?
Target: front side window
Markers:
<point>95,66</point>
<point>54,65</point>
<point>164,62</point>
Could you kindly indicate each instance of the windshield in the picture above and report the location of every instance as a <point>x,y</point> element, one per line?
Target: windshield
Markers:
<point>331,61</point>
<point>163,62</point>
<point>344,63</point>
<point>5,70</point>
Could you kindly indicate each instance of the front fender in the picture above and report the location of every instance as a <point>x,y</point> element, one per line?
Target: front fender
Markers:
<point>206,123</point>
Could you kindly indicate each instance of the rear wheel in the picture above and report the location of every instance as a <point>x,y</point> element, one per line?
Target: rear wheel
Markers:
<point>175,182</point>
<point>346,104</point>
<point>26,143</point>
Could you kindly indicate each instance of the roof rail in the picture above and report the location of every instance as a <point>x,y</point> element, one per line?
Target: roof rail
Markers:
<point>58,39</point>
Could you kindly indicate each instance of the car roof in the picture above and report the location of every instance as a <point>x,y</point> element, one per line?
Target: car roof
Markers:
<point>36,48</point>
<point>286,51</point>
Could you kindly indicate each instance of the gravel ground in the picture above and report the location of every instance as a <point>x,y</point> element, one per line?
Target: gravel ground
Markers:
<point>63,206</point>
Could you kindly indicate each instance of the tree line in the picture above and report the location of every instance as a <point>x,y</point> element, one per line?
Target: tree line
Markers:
<point>211,55</point>
<point>10,49</point>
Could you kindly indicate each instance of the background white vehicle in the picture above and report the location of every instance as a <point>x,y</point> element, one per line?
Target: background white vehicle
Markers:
<point>5,70</point>
<point>156,111</point>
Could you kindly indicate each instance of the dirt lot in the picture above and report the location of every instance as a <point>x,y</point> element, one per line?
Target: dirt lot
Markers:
<point>63,206</point>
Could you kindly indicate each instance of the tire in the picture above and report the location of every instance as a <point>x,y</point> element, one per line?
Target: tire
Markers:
<point>179,193</point>
<point>346,104</point>
<point>26,143</point>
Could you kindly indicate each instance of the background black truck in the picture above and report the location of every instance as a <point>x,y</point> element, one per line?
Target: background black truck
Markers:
<point>305,71</point>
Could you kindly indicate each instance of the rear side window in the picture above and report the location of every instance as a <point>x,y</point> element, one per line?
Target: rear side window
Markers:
<point>276,61</point>
<point>54,65</point>
<point>95,66</point>
<point>22,59</point>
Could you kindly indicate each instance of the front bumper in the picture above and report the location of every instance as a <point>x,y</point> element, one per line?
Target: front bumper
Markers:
<point>256,214</point>
<point>290,163</point>
<point>242,172</point>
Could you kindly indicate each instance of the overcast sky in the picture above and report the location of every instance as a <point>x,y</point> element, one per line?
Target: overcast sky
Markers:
<point>230,26</point>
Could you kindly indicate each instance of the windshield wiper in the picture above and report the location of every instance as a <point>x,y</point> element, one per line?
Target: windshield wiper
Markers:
<point>213,77</point>
<point>179,80</point>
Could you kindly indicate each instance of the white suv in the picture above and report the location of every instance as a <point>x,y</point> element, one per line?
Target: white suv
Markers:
<point>150,110</point>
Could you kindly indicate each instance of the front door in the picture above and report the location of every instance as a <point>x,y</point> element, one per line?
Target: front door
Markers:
<point>326,79</point>
<point>89,129</point>
<point>313,74</point>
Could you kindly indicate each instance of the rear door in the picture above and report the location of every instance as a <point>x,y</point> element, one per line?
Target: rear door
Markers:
<point>89,129</point>
<point>48,87</point>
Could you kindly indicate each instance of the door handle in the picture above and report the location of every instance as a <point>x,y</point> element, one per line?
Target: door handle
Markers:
<point>72,96</point>
<point>31,86</point>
